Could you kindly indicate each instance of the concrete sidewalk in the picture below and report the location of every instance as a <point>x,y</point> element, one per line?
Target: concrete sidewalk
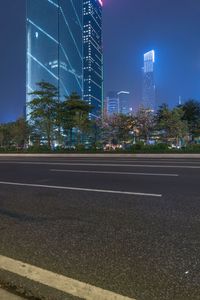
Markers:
<point>5,295</point>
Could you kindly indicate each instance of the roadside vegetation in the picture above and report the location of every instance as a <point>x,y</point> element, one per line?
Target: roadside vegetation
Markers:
<point>55,126</point>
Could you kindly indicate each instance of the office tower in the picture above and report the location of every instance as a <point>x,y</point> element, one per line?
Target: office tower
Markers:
<point>92,55</point>
<point>64,46</point>
<point>123,102</point>
<point>149,81</point>
<point>112,101</point>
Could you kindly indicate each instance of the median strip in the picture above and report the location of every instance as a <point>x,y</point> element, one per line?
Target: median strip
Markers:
<point>79,189</point>
<point>62,283</point>
<point>115,173</point>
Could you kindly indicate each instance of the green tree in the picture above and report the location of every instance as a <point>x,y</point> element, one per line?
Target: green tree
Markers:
<point>170,124</point>
<point>94,132</point>
<point>1,136</point>
<point>5,135</point>
<point>191,110</point>
<point>117,129</point>
<point>75,115</point>
<point>42,109</point>
<point>145,123</point>
<point>14,134</point>
<point>19,132</point>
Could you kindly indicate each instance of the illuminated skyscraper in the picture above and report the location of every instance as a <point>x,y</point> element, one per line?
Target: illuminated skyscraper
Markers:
<point>92,55</point>
<point>149,81</point>
<point>64,47</point>
<point>112,102</point>
<point>54,45</point>
<point>123,102</point>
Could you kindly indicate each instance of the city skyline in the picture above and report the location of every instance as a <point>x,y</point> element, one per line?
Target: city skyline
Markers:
<point>170,28</point>
<point>140,27</point>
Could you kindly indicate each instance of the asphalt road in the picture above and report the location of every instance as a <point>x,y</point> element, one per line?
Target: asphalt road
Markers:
<point>130,226</point>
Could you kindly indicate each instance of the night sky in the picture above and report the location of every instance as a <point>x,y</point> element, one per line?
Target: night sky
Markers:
<point>131,28</point>
<point>13,59</point>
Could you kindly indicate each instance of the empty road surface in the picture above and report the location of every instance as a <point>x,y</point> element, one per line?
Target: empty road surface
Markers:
<point>101,228</point>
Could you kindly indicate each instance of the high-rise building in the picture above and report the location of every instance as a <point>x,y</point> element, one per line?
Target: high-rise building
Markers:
<point>123,102</point>
<point>64,47</point>
<point>112,101</point>
<point>54,45</point>
<point>149,95</point>
<point>92,55</point>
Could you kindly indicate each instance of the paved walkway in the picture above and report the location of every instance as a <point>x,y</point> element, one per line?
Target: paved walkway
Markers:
<point>4,295</point>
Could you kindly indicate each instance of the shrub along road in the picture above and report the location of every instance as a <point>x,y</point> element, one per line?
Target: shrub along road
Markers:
<point>125,226</point>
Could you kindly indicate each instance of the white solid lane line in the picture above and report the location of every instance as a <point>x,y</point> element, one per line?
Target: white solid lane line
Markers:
<point>115,173</point>
<point>99,164</point>
<point>62,283</point>
<point>78,189</point>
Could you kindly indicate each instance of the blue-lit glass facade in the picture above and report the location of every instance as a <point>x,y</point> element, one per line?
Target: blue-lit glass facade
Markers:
<point>123,102</point>
<point>92,56</point>
<point>64,47</point>
<point>55,45</point>
<point>112,102</point>
<point>149,96</point>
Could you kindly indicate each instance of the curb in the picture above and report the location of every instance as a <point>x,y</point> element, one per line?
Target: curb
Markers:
<point>159,155</point>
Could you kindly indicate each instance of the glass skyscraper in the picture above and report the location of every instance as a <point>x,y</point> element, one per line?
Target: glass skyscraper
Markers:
<point>123,102</point>
<point>149,96</point>
<point>64,47</point>
<point>92,55</point>
<point>54,45</point>
<point>112,102</point>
